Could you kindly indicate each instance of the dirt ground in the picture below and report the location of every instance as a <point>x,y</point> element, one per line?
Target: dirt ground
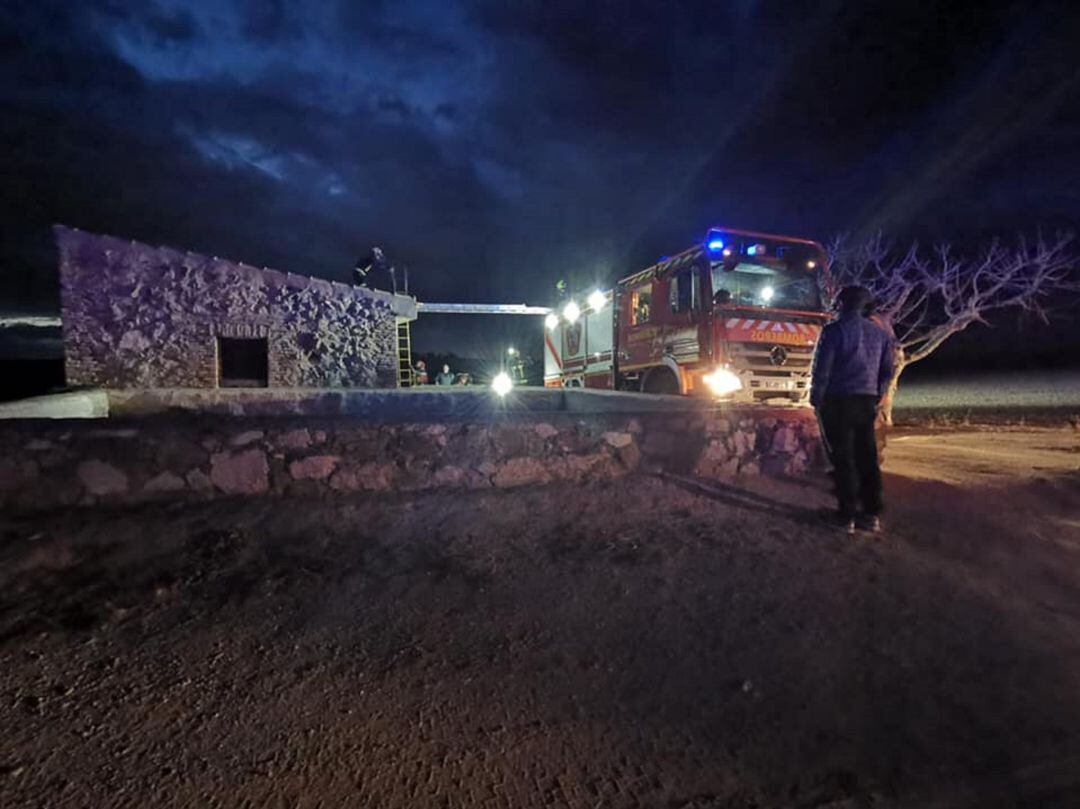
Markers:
<point>650,642</point>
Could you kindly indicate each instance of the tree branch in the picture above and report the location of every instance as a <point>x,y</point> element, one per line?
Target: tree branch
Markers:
<point>929,296</point>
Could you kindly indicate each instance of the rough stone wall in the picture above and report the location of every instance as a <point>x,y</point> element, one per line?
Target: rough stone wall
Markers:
<point>45,465</point>
<point>136,316</point>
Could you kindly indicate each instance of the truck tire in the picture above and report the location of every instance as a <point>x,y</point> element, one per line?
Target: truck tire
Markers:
<point>660,380</point>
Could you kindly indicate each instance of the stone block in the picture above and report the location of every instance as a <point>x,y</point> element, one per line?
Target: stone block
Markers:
<point>618,440</point>
<point>245,438</point>
<point>165,482</point>
<point>100,478</point>
<point>749,468</point>
<point>240,472</point>
<point>449,476</point>
<point>743,443</point>
<point>294,439</point>
<point>717,451</point>
<point>798,463</point>
<point>717,426</point>
<point>580,468</point>
<point>629,456</point>
<point>314,467</point>
<point>729,468</point>
<point>199,481</point>
<point>785,440</point>
<point>545,430</point>
<point>369,477</point>
<point>521,472</point>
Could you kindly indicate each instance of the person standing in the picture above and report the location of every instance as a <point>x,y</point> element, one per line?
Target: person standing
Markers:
<point>445,378</point>
<point>853,363</point>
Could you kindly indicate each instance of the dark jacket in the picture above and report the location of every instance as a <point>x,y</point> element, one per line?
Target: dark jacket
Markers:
<point>853,357</point>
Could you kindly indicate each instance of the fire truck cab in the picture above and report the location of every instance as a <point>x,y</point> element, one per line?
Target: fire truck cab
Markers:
<point>735,317</point>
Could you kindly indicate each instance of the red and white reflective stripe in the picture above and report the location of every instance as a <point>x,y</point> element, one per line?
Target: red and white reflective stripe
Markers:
<point>751,324</point>
<point>551,347</point>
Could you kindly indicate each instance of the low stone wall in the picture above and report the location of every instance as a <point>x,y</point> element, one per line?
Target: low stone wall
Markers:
<point>45,464</point>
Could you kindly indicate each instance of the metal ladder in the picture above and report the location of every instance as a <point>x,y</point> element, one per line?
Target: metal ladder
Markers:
<point>405,376</point>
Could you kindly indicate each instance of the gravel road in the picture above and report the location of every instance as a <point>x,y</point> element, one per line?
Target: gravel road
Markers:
<point>642,643</point>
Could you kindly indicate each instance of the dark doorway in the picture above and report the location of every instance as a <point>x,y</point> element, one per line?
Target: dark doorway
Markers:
<point>243,363</point>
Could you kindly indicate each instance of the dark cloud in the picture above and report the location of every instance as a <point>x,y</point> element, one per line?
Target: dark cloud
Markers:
<point>169,28</point>
<point>269,22</point>
<point>496,147</point>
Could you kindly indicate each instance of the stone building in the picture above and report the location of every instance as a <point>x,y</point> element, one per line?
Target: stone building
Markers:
<point>136,316</point>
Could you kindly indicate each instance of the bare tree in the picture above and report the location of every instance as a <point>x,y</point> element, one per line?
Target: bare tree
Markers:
<point>925,297</point>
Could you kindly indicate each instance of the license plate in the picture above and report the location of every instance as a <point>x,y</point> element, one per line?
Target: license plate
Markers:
<point>778,384</point>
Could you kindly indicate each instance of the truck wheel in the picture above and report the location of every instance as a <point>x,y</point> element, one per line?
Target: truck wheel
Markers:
<point>660,380</point>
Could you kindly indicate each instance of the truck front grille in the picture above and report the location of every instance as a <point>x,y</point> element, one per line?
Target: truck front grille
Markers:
<point>773,371</point>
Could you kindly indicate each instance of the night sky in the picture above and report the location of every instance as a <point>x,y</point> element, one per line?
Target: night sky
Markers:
<point>495,147</point>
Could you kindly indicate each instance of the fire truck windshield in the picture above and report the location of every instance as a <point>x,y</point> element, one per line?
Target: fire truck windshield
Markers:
<point>754,284</point>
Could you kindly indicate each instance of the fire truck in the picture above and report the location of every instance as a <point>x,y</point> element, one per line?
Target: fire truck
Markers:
<point>735,317</point>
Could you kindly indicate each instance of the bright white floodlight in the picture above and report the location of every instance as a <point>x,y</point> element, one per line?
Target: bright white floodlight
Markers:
<point>551,321</point>
<point>722,382</point>
<point>502,384</point>
<point>597,300</point>
<point>571,312</point>
<point>767,293</point>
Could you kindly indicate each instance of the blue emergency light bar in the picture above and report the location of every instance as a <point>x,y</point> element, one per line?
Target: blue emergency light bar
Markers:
<point>714,241</point>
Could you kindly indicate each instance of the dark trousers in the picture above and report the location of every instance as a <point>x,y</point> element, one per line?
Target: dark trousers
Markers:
<point>848,422</point>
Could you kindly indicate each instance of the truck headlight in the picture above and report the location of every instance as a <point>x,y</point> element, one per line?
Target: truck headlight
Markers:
<point>502,384</point>
<point>722,381</point>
